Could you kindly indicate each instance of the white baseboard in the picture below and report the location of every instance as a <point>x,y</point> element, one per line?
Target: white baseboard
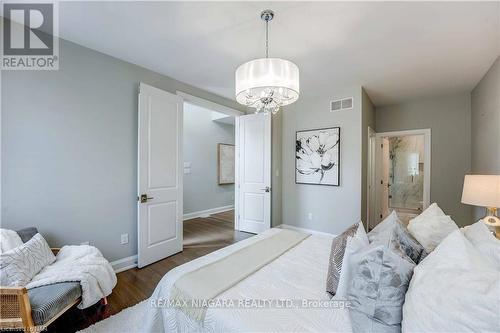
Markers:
<point>310,231</point>
<point>123,264</point>
<point>205,213</point>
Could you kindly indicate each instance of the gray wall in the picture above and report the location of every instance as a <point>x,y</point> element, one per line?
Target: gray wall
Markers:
<point>201,138</point>
<point>333,208</point>
<point>368,120</point>
<point>69,148</point>
<point>449,118</point>
<point>485,101</point>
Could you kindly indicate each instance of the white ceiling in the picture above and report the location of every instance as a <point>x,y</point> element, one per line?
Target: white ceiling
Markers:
<point>396,50</point>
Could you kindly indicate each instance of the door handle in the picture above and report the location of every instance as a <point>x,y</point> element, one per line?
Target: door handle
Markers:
<point>267,189</point>
<point>144,198</point>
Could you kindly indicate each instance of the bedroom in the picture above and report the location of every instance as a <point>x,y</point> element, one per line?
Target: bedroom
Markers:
<point>69,135</point>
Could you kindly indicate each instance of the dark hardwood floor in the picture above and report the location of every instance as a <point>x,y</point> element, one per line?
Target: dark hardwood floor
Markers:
<point>201,236</point>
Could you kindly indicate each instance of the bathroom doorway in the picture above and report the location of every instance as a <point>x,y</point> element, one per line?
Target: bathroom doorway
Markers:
<point>400,175</point>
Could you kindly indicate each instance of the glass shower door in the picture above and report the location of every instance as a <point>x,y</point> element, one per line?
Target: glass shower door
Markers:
<point>406,173</point>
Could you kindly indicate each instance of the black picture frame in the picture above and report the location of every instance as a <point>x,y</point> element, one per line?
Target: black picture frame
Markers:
<point>338,155</point>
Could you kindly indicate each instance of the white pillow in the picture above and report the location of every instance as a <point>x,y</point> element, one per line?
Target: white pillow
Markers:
<point>355,243</point>
<point>387,223</point>
<point>455,289</point>
<point>484,241</point>
<point>431,227</point>
<point>19,265</point>
<point>432,210</point>
<point>9,239</point>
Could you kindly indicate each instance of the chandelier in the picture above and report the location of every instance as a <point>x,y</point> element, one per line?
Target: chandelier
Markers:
<point>267,84</point>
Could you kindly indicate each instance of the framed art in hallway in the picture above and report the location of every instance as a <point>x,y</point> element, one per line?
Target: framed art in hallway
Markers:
<point>317,156</point>
<point>225,161</point>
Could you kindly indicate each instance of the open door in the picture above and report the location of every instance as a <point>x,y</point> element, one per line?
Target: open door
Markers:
<point>253,177</point>
<point>159,175</point>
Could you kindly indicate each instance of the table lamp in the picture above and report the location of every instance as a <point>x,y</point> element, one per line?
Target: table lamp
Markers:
<point>484,191</point>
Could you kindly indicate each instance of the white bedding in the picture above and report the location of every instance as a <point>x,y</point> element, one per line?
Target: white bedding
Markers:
<point>454,289</point>
<point>298,274</point>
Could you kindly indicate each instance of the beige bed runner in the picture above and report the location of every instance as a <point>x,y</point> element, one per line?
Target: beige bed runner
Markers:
<point>207,282</point>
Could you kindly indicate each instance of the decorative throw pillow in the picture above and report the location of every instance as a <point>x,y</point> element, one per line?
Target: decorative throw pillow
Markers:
<point>353,245</point>
<point>339,243</point>
<point>456,289</point>
<point>378,276</point>
<point>408,244</point>
<point>484,241</point>
<point>27,233</point>
<point>432,210</point>
<point>391,229</point>
<point>19,265</point>
<point>398,236</point>
<point>387,223</point>
<point>431,227</point>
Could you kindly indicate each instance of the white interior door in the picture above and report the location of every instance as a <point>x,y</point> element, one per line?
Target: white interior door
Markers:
<point>159,175</point>
<point>253,177</point>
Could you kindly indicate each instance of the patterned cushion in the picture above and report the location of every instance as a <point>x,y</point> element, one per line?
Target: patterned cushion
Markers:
<point>361,323</point>
<point>408,244</point>
<point>18,266</point>
<point>47,301</point>
<point>398,237</point>
<point>379,276</point>
<point>337,256</point>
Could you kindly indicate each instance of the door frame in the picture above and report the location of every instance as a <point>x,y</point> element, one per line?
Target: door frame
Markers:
<point>370,180</point>
<point>426,132</point>
<point>209,104</point>
<point>237,174</point>
<point>198,101</point>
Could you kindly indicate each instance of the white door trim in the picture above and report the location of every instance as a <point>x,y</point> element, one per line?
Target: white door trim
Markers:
<point>209,104</point>
<point>370,180</point>
<point>237,173</point>
<point>426,132</point>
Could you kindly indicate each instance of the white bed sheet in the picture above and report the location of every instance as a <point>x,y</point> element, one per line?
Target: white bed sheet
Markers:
<point>298,274</point>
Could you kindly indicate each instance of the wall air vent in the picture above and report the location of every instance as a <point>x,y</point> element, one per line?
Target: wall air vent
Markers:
<point>342,104</point>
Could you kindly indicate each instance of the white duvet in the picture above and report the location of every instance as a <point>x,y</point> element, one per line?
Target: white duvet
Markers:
<point>299,274</point>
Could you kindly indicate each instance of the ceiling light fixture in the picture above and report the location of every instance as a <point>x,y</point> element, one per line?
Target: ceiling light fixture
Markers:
<point>267,84</point>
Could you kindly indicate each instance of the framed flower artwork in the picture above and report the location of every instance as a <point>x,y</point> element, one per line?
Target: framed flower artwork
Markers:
<point>317,156</point>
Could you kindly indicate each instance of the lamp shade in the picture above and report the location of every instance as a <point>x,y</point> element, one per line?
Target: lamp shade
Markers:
<point>482,190</point>
<point>279,76</point>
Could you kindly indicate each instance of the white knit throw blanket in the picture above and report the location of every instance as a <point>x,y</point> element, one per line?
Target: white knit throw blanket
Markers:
<point>84,264</point>
<point>193,290</point>
<point>9,240</point>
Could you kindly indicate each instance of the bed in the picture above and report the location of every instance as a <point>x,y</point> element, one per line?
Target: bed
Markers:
<point>298,274</point>
<point>455,288</point>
